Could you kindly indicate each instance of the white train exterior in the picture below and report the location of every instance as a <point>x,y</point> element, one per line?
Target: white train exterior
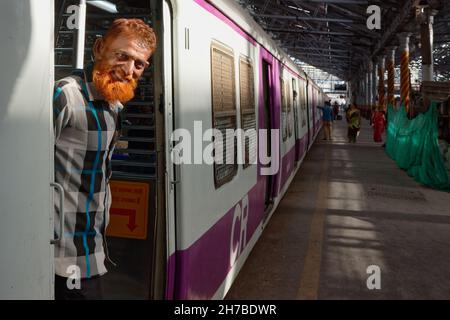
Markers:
<point>210,224</point>
<point>208,255</point>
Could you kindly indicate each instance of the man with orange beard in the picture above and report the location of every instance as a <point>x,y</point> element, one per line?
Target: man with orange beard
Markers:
<point>86,121</point>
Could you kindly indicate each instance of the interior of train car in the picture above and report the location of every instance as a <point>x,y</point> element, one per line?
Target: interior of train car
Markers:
<point>136,239</point>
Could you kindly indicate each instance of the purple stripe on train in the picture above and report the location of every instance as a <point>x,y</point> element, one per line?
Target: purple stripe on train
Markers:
<point>287,166</point>
<point>290,159</point>
<point>202,267</point>
<point>301,147</point>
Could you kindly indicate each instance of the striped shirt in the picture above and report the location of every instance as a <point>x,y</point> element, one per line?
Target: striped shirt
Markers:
<point>85,129</point>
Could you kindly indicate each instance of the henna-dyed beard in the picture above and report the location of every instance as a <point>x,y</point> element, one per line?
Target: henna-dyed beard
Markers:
<point>111,89</point>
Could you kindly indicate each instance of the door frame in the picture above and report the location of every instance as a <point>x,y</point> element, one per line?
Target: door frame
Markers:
<point>172,176</point>
<point>269,119</point>
<point>296,117</point>
<point>308,112</point>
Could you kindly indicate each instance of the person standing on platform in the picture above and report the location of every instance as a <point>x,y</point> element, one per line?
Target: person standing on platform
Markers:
<point>354,123</point>
<point>379,125</point>
<point>327,118</point>
<point>86,123</point>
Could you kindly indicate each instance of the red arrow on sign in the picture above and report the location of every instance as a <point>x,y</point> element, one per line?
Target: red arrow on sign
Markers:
<point>131,214</point>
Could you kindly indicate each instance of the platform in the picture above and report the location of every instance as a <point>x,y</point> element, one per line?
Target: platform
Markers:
<point>350,207</point>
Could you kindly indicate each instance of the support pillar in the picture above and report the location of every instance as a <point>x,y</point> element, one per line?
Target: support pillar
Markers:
<point>405,80</point>
<point>354,91</point>
<point>358,94</point>
<point>363,91</point>
<point>390,64</point>
<point>370,84</point>
<point>374,85</point>
<point>350,93</point>
<point>426,39</point>
<point>381,91</point>
<point>367,86</point>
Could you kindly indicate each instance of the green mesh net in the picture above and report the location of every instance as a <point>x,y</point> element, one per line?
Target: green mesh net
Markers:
<point>413,145</point>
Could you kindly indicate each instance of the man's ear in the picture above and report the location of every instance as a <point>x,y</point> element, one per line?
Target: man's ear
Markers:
<point>99,47</point>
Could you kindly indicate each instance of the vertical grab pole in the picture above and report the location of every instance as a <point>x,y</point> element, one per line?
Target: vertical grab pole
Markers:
<point>81,23</point>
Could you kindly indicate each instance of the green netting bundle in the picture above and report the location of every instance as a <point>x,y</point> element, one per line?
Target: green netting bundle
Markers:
<point>413,144</point>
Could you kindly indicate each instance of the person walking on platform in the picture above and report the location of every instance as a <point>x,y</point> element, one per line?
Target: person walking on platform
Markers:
<point>379,125</point>
<point>327,118</point>
<point>354,123</point>
<point>86,123</point>
<point>336,111</point>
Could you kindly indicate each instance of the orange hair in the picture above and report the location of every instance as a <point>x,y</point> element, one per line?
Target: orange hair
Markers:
<point>135,28</point>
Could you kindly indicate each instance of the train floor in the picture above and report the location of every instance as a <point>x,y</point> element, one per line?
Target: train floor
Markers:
<point>349,208</point>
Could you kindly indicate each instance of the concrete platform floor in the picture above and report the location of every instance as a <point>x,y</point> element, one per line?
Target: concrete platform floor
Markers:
<point>348,208</point>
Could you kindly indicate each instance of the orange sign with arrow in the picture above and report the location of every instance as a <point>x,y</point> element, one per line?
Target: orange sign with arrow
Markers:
<point>129,210</point>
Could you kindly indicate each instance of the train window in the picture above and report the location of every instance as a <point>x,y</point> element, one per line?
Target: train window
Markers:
<point>248,114</point>
<point>283,109</point>
<point>223,109</point>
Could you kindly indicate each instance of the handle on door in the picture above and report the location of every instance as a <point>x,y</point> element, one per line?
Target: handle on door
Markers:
<point>62,217</point>
<point>177,174</point>
<point>176,154</point>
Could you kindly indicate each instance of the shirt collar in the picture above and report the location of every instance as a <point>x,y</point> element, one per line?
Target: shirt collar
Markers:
<point>90,87</point>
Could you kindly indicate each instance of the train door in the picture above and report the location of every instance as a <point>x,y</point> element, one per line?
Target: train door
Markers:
<point>136,232</point>
<point>308,111</point>
<point>26,204</point>
<point>296,104</point>
<point>268,118</point>
<point>314,112</point>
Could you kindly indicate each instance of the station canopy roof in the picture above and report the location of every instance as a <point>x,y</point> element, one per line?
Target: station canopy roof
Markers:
<point>333,35</point>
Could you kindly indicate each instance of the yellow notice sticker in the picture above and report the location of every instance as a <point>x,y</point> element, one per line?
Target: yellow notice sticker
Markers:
<point>129,210</point>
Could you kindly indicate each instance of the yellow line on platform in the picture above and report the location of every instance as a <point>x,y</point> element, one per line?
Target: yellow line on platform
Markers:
<point>310,277</point>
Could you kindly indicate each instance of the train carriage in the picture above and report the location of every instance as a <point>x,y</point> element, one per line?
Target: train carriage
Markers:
<point>177,230</point>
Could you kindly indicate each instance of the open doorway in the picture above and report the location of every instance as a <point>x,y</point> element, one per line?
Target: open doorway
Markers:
<point>268,118</point>
<point>136,230</point>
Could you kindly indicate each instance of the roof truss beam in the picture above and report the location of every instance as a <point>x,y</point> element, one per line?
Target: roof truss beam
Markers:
<point>304,18</point>
<point>331,33</point>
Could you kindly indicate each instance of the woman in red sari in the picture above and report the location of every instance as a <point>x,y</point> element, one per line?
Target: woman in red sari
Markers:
<point>379,125</point>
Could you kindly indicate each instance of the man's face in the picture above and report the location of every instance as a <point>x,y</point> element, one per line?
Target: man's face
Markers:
<point>119,63</point>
